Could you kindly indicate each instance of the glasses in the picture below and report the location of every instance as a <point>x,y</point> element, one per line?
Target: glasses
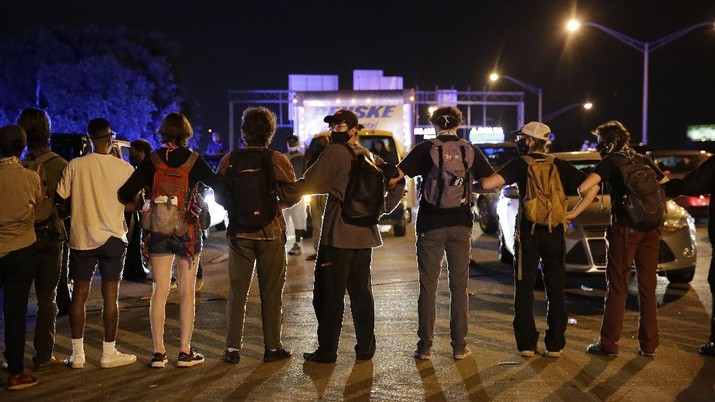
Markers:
<point>338,127</point>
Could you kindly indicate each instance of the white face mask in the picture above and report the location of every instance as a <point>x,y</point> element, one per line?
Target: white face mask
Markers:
<point>292,149</point>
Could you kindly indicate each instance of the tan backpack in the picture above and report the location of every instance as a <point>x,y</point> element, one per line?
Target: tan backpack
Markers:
<point>545,201</point>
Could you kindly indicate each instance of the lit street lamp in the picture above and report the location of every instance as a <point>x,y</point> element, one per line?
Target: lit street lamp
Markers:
<point>557,113</point>
<point>643,47</point>
<point>531,88</point>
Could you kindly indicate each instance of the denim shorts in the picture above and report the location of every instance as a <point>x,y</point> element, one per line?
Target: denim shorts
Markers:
<point>165,245</point>
<point>109,257</point>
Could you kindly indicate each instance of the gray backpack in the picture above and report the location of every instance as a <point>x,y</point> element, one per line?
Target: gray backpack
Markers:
<point>449,182</point>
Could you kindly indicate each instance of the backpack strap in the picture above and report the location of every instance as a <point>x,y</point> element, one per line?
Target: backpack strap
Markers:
<point>350,149</point>
<point>466,180</point>
<point>46,157</point>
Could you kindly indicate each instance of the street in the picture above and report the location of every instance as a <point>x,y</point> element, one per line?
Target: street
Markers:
<point>495,371</point>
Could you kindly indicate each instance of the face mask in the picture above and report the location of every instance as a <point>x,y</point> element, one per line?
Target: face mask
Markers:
<point>338,137</point>
<point>292,149</point>
<point>522,147</point>
<point>604,148</point>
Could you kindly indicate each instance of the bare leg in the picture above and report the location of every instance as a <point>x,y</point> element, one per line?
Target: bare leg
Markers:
<point>186,272</point>
<point>161,277</point>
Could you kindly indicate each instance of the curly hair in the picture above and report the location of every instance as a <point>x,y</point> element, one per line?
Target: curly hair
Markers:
<point>258,125</point>
<point>614,132</point>
<point>36,124</point>
<point>446,117</point>
<point>175,127</point>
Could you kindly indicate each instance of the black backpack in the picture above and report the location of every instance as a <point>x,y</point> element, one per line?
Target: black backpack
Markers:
<point>252,185</point>
<point>364,200</point>
<point>644,198</point>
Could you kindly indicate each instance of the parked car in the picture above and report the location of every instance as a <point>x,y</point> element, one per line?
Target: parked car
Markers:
<point>485,201</point>
<point>402,214</point>
<point>676,164</point>
<point>586,235</point>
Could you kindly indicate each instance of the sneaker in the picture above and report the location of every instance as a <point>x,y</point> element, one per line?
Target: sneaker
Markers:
<point>311,257</point>
<point>597,349</point>
<point>158,360</point>
<point>553,355</point>
<point>117,359</point>
<point>421,355</point>
<point>172,285</point>
<point>275,355</point>
<point>646,354</point>
<point>708,349</point>
<point>295,250</point>
<point>463,355</point>
<point>20,381</point>
<point>53,362</point>
<point>232,356</point>
<point>528,353</point>
<point>75,362</point>
<point>319,358</point>
<point>199,284</point>
<point>191,359</point>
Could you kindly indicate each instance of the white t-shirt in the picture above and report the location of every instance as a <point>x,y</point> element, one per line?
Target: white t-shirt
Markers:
<point>92,181</point>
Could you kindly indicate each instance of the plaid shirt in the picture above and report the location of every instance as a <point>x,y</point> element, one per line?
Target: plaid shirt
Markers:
<point>283,171</point>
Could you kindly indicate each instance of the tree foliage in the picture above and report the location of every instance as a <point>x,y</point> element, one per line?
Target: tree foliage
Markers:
<point>123,75</point>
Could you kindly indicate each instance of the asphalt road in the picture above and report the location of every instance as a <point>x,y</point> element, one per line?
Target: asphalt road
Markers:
<point>494,372</point>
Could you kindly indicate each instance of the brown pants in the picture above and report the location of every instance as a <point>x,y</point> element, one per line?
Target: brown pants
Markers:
<point>626,245</point>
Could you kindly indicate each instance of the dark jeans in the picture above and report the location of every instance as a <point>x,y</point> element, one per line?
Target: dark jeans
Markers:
<point>134,265</point>
<point>549,248</point>
<point>711,281</point>
<point>338,269</point>
<point>17,269</point>
<point>49,266</point>
<point>626,245</point>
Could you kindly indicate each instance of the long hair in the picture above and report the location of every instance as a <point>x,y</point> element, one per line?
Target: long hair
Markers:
<point>36,124</point>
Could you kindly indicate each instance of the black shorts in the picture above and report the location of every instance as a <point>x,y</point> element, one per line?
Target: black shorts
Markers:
<point>109,256</point>
<point>167,245</point>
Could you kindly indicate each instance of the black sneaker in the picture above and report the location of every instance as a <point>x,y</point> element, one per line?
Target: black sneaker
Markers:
<point>597,349</point>
<point>708,349</point>
<point>191,359</point>
<point>232,356</point>
<point>319,358</point>
<point>275,355</point>
<point>158,360</point>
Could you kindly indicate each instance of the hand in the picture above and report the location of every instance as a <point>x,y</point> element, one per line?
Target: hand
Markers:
<point>570,216</point>
<point>393,182</point>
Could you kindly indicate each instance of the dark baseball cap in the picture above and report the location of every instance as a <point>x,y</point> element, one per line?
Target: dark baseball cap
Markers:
<point>342,115</point>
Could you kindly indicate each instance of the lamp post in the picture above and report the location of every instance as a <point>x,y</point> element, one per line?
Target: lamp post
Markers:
<point>557,113</point>
<point>643,47</point>
<point>531,88</point>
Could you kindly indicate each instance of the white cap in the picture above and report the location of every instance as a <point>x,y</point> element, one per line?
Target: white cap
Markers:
<point>537,130</point>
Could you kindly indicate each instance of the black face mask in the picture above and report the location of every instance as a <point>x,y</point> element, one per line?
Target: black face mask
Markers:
<point>341,136</point>
<point>604,148</point>
<point>522,147</point>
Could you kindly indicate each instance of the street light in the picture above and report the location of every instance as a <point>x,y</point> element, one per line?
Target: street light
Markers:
<point>531,88</point>
<point>643,47</point>
<point>557,113</point>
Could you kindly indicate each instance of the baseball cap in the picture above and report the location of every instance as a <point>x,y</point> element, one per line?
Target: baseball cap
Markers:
<point>537,130</point>
<point>342,115</point>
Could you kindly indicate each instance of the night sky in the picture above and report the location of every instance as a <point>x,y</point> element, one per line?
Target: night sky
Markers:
<point>447,44</point>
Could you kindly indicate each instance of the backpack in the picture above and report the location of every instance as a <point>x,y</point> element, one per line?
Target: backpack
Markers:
<point>252,185</point>
<point>168,198</point>
<point>644,199</point>
<point>46,206</point>
<point>545,201</point>
<point>364,200</point>
<point>448,182</point>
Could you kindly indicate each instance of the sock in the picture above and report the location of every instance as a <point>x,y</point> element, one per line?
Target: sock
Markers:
<point>78,347</point>
<point>234,350</point>
<point>108,348</point>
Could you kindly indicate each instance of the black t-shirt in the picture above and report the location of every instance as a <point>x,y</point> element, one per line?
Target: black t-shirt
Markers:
<point>418,163</point>
<point>610,173</point>
<point>515,172</point>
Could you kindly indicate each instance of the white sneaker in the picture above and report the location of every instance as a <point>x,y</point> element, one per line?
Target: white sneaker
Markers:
<point>116,360</point>
<point>75,362</point>
<point>527,353</point>
<point>463,355</point>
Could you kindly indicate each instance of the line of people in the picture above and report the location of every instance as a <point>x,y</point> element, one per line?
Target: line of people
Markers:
<point>97,189</point>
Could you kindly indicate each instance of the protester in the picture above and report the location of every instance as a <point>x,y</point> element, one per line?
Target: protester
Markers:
<point>538,242</point>
<point>317,201</point>
<point>626,245</point>
<point>216,146</point>
<point>134,265</point>
<point>21,189</point>
<point>444,224</point>
<point>258,243</point>
<point>98,237</point>
<point>51,236</point>
<point>298,212</point>
<point>698,182</point>
<point>345,251</point>
<point>155,172</point>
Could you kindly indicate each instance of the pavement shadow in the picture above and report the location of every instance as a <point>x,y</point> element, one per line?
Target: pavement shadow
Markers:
<point>359,383</point>
<point>254,379</point>
<point>703,386</point>
<point>609,386</point>
<point>469,371</point>
<point>430,383</point>
<point>320,374</point>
